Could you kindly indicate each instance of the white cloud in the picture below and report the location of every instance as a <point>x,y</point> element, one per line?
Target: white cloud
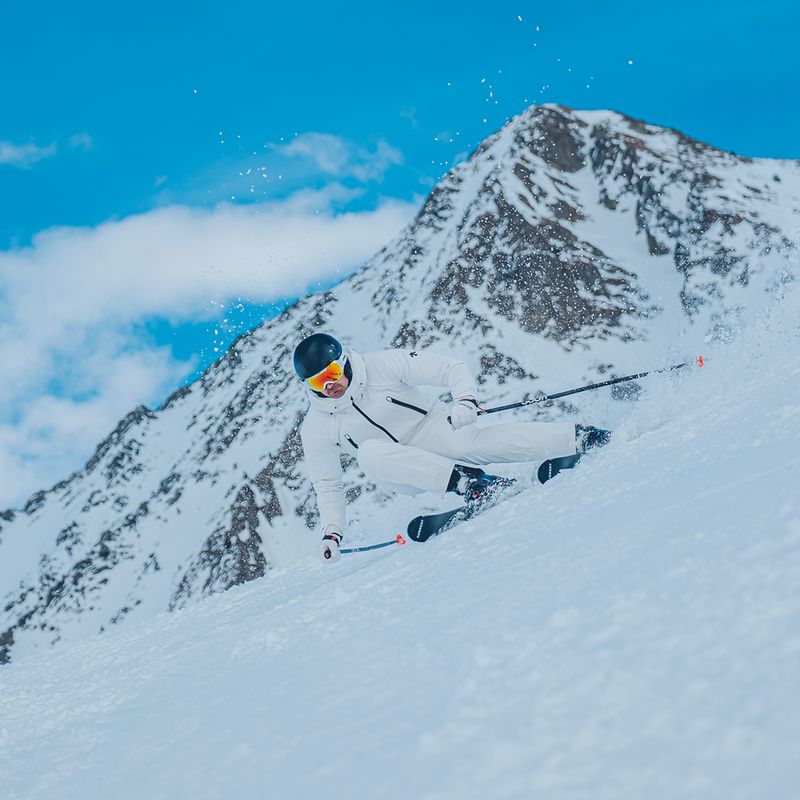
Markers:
<point>24,155</point>
<point>82,141</point>
<point>70,302</point>
<point>50,436</point>
<point>410,113</point>
<point>339,158</point>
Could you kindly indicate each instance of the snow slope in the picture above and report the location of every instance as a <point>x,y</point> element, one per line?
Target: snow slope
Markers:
<point>631,629</point>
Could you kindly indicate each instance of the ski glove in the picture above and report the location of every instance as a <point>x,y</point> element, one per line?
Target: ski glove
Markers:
<point>329,546</point>
<point>464,412</point>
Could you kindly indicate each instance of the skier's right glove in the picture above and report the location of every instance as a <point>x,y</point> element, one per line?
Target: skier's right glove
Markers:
<point>329,546</point>
<point>464,412</point>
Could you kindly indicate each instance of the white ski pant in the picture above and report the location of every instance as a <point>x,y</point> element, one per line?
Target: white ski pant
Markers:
<point>426,461</point>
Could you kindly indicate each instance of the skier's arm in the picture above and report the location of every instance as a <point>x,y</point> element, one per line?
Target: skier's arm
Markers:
<point>325,470</point>
<point>426,368</point>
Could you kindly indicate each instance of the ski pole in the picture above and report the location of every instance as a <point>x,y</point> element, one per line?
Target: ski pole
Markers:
<point>399,539</point>
<point>699,361</point>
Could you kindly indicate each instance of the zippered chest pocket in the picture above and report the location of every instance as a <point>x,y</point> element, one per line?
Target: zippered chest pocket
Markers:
<point>403,404</point>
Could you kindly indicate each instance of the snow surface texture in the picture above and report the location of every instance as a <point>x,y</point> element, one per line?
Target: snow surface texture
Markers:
<point>631,629</point>
<point>571,247</point>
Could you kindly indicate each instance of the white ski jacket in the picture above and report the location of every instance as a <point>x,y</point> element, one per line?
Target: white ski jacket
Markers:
<point>381,402</point>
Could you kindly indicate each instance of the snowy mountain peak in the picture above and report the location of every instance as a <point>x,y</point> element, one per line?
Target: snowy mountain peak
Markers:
<point>571,244</point>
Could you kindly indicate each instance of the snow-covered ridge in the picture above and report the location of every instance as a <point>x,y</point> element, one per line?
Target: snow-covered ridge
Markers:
<point>570,245</point>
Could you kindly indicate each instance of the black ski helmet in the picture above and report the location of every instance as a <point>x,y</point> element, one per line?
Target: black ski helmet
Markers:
<point>314,353</point>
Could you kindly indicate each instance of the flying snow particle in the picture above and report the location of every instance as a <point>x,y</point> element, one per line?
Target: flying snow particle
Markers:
<point>630,61</point>
<point>519,17</point>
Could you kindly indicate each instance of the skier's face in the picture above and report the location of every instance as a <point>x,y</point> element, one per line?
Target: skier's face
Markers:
<point>336,390</point>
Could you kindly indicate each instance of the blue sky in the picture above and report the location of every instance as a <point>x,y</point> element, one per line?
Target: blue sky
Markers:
<point>128,132</point>
<point>125,77</point>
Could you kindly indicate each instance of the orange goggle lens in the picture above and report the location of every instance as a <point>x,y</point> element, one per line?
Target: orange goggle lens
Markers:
<point>330,374</point>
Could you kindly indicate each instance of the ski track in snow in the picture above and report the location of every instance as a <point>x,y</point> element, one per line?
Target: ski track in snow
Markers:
<point>631,629</point>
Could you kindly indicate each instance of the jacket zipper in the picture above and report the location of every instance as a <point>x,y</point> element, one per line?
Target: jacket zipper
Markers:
<point>347,436</point>
<point>407,405</point>
<point>372,421</point>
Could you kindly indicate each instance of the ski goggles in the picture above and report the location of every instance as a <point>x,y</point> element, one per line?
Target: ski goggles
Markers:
<point>331,374</point>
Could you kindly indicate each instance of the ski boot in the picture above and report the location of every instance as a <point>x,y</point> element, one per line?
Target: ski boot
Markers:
<point>587,438</point>
<point>478,488</point>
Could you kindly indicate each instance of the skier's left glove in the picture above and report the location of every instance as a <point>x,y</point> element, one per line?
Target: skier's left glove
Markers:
<point>329,546</point>
<point>463,412</point>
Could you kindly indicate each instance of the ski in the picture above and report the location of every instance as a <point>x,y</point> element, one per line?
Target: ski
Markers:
<point>423,527</point>
<point>550,468</point>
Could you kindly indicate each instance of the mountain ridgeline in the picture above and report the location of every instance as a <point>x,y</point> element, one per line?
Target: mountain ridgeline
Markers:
<point>571,245</point>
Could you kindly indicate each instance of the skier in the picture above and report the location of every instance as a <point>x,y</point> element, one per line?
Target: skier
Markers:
<point>370,407</point>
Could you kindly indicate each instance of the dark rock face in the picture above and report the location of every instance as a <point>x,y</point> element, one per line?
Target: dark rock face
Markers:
<point>704,232</point>
<point>556,140</point>
<point>6,643</point>
<point>230,556</point>
<point>568,233</point>
<point>541,275</point>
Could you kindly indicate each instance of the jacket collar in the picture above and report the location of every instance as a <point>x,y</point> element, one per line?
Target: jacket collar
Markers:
<point>355,391</point>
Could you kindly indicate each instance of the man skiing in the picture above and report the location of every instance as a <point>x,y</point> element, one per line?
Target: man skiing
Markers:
<point>370,407</point>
